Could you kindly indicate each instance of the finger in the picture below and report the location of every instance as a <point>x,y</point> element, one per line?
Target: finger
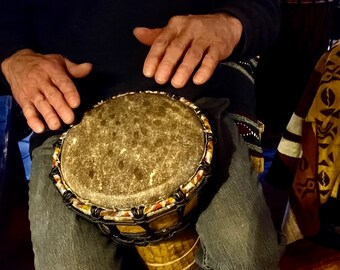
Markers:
<point>78,70</point>
<point>58,102</point>
<point>189,63</point>
<point>174,52</point>
<point>33,118</point>
<point>146,35</point>
<point>208,65</point>
<point>31,114</point>
<point>47,112</point>
<point>156,52</point>
<point>66,86</point>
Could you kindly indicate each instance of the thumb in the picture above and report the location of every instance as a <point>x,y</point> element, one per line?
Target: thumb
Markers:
<point>146,35</point>
<point>78,70</point>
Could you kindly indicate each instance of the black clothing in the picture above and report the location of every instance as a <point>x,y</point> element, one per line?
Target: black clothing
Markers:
<point>71,27</point>
<point>100,32</point>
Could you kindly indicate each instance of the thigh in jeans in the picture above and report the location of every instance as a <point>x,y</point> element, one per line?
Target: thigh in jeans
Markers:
<point>236,230</point>
<point>61,239</point>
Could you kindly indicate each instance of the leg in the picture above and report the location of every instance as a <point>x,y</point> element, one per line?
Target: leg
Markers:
<point>62,240</point>
<point>236,229</point>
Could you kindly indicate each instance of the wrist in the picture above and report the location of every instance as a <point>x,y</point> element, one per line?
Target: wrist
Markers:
<point>234,27</point>
<point>5,64</point>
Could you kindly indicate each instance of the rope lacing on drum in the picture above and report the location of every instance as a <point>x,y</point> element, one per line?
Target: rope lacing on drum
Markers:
<point>177,259</point>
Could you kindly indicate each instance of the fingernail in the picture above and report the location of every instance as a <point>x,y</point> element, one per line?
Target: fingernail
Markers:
<point>177,81</point>
<point>148,71</point>
<point>161,79</point>
<point>74,102</point>
<point>198,80</point>
<point>39,128</point>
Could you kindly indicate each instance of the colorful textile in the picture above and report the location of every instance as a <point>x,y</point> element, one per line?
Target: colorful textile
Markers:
<point>312,140</point>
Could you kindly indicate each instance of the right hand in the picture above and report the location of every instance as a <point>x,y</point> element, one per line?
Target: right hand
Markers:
<point>42,86</point>
<point>189,45</point>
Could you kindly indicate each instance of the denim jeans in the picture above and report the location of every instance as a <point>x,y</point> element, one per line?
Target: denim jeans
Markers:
<point>235,226</point>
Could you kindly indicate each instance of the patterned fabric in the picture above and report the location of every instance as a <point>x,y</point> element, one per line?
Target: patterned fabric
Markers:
<point>249,128</point>
<point>312,140</point>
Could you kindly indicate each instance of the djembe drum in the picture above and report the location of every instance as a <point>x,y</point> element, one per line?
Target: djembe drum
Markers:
<point>135,165</point>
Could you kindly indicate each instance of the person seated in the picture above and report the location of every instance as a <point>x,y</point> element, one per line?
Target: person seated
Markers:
<point>60,58</point>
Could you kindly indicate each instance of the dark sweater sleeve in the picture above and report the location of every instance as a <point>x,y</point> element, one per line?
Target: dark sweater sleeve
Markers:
<point>16,27</point>
<point>260,20</point>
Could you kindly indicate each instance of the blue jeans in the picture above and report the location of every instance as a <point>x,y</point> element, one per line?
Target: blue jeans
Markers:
<point>235,227</point>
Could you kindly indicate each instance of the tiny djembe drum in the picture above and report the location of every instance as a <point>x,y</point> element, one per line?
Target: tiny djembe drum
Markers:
<point>135,165</point>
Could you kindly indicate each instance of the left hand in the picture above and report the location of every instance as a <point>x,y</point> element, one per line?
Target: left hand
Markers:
<point>42,85</point>
<point>188,42</point>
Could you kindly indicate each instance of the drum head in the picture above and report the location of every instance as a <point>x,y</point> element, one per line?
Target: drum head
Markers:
<point>133,149</point>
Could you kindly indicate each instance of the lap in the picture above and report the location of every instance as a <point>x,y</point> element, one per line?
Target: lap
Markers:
<point>235,228</point>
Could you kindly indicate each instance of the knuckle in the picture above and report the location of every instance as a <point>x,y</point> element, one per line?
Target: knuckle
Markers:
<point>50,116</point>
<point>160,42</point>
<point>65,82</point>
<point>54,58</point>
<point>53,95</point>
<point>195,53</point>
<point>206,70</point>
<point>28,111</point>
<point>178,44</point>
<point>211,58</point>
<point>34,75</point>
<point>185,69</point>
<point>178,19</point>
<point>32,122</point>
<point>220,50</point>
<point>166,64</point>
<point>152,59</point>
<point>38,100</point>
<point>51,61</point>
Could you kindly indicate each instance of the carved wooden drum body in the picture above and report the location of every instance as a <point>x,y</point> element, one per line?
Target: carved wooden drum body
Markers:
<point>135,165</point>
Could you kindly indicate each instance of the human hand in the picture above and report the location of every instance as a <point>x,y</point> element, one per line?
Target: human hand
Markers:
<point>42,86</point>
<point>187,43</point>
